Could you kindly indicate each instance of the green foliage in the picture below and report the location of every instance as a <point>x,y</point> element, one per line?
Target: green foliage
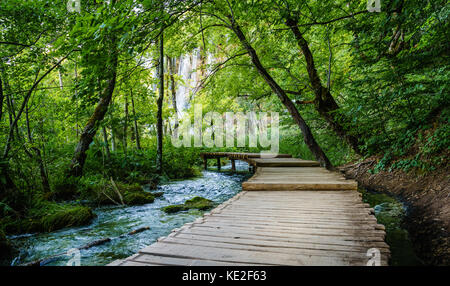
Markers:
<point>5,246</point>
<point>46,216</point>
<point>74,216</point>
<point>100,191</point>
<point>194,203</point>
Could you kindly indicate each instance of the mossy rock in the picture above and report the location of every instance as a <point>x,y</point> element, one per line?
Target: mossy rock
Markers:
<point>174,209</point>
<point>138,198</point>
<point>199,203</point>
<point>134,194</point>
<point>129,187</point>
<point>61,217</point>
<point>104,193</point>
<point>73,216</point>
<point>194,203</point>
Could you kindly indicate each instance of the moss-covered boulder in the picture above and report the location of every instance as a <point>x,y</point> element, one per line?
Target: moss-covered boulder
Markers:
<point>199,203</point>
<point>50,217</point>
<point>109,193</point>
<point>66,217</point>
<point>174,208</point>
<point>138,198</point>
<point>194,203</point>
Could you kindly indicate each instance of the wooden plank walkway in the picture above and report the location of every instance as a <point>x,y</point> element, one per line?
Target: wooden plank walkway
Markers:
<point>297,178</point>
<point>325,222</point>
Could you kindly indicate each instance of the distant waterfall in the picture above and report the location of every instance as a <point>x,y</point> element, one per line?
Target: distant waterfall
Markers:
<point>188,76</point>
<point>189,70</point>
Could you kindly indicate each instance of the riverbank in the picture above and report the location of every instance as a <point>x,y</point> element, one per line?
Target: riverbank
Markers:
<point>427,197</point>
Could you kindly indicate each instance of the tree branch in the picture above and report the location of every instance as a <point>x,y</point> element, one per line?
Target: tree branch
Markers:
<point>24,103</point>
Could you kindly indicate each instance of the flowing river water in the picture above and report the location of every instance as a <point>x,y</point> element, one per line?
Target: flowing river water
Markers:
<point>115,222</point>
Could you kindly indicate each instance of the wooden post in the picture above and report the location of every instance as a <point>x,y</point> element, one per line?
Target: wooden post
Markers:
<point>218,163</point>
<point>233,165</point>
<point>205,163</point>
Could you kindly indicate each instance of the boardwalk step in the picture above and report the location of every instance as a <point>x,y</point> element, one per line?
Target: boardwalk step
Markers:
<point>284,162</point>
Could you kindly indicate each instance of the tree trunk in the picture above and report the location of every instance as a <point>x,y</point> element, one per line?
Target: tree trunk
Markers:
<point>6,182</point>
<point>89,131</point>
<point>113,137</point>
<point>7,185</point>
<point>125,126</point>
<point>2,96</point>
<point>113,140</point>
<point>324,102</point>
<point>61,86</point>
<point>22,107</point>
<point>307,135</point>
<point>12,112</point>
<point>105,141</point>
<point>136,130</point>
<point>76,98</point>
<point>37,157</point>
<point>172,71</point>
<point>201,64</point>
<point>9,104</point>
<point>159,124</point>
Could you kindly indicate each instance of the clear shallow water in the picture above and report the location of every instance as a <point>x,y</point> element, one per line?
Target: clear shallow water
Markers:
<point>391,213</point>
<point>115,222</point>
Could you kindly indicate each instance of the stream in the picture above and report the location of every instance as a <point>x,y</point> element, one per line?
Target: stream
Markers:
<point>115,222</point>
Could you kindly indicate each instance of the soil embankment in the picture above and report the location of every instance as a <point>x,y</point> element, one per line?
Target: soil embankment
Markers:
<point>428,217</point>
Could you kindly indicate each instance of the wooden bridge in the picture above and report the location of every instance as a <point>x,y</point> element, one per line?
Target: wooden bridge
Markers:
<point>291,212</point>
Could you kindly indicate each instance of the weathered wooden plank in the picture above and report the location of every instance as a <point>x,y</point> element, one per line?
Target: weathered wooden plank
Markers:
<point>307,215</point>
<point>301,206</point>
<point>285,244</point>
<point>284,162</point>
<point>313,239</point>
<point>137,263</point>
<point>294,219</point>
<point>298,186</point>
<point>178,261</point>
<point>265,179</point>
<point>301,214</point>
<point>276,250</point>
<point>352,231</point>
<point>327,235</point>
<point>247,256</point>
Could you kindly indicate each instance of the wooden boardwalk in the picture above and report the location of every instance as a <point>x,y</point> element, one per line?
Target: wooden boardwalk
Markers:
<point>291,212</point>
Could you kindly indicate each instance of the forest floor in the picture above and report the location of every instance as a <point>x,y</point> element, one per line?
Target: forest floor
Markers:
<point>427,197</point>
